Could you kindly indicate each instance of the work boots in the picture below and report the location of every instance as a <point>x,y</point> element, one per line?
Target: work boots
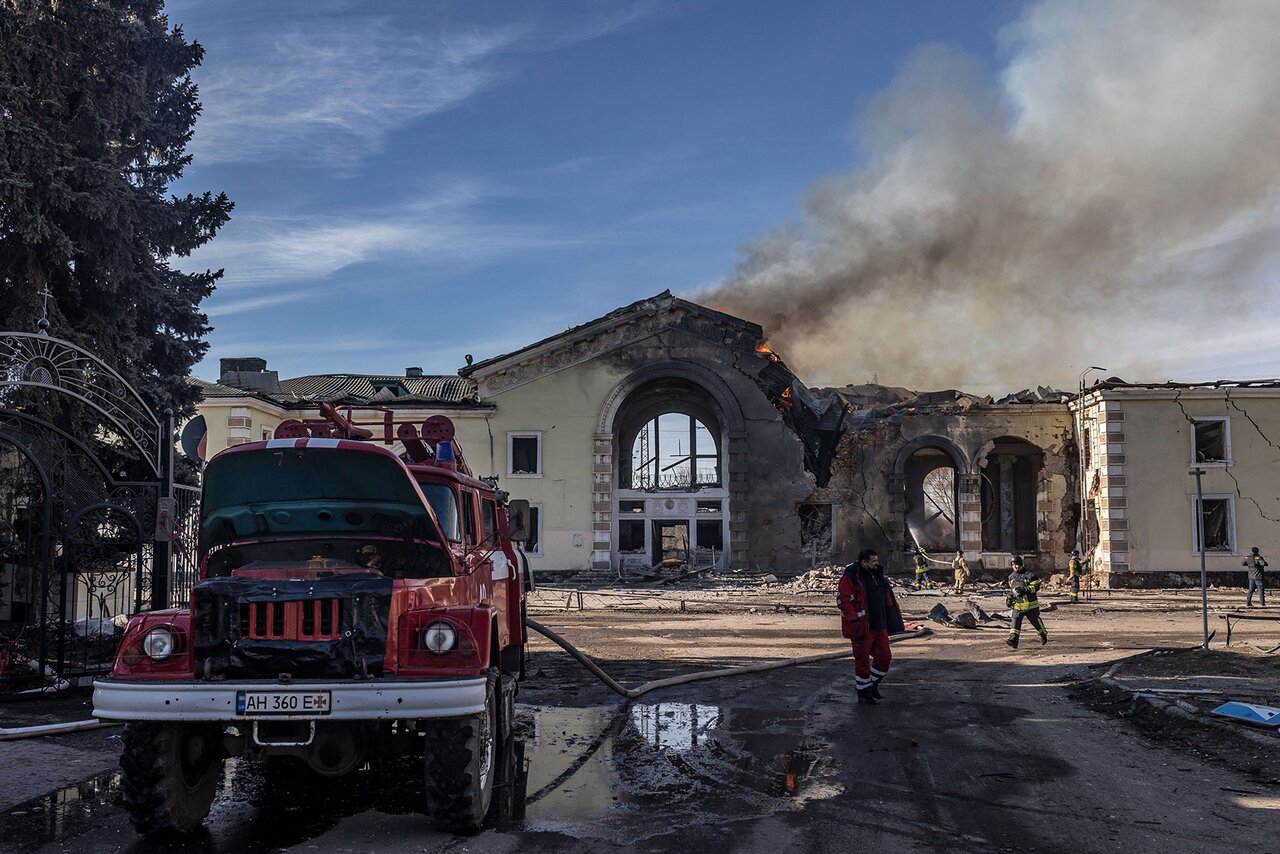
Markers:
<point>875,690</point>
<point>1044,638</point>
<point>865,695</point>
<point>1012,640</point>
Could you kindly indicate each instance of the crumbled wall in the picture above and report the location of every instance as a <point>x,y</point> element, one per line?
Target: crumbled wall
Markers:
<point>866,484</point>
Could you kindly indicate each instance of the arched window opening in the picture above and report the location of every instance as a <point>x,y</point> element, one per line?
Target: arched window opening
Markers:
<point>674,451</point>
<point>1010,481</point>
<point>932,520</point>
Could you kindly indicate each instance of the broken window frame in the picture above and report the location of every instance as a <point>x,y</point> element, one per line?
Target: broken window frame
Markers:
<point>701,525</point>
<point>626,543</point>
<point>1225,438</point>
<point>1219,524</point>
<point>812,509</point>
<point>512,435</point>
<point>647,475</point>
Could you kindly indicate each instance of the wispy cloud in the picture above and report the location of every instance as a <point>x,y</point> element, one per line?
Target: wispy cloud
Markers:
<point>329,88</point>
<point>242,306</point>
<point>333,94</point>
<point>441,228</point>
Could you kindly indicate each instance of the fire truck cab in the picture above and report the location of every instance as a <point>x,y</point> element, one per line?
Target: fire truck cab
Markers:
<point>353,607</point>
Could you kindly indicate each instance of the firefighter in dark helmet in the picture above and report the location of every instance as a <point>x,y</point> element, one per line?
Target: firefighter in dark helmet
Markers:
<point>1022,598</point>
<point>922,571</point>
<point>1074,570</point>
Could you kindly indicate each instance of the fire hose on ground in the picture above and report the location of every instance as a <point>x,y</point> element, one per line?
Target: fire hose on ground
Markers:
<point>15,733</point>
<point>632,693</point>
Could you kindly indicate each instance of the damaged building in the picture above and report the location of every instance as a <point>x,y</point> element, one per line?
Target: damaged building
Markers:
<point>948,471</point>
<point>666,432</point>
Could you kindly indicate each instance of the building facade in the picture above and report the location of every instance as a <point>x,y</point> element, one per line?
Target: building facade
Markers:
<point>668,433</point>
<point>1140,444</point>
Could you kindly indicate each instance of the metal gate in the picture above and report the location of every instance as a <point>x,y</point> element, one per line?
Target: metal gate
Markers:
<point>80,550</point>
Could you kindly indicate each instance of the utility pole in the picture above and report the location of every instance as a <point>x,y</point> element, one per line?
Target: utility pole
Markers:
<point>1198,473</point>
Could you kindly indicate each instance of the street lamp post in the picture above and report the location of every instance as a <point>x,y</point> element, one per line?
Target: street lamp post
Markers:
<point>1198,473</point>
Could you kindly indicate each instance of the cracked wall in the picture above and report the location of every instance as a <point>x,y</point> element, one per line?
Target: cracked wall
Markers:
<point>1141,451</point>
<point>868,484</point>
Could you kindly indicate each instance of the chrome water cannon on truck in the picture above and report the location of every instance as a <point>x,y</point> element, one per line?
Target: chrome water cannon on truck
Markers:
<point>355,606</point>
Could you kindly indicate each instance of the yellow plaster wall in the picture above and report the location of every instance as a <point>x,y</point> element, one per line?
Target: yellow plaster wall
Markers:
<point>1158,493</point>
<point>565,407</point>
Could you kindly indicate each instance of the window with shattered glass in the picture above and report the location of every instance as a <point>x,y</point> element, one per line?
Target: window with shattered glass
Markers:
<point>1216,515</point>
<point>1211,441</point>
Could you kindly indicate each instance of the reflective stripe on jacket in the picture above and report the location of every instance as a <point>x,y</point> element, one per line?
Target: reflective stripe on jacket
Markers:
<point>1022,590</point>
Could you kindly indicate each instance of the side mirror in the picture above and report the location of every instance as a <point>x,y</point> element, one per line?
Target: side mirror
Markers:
<point>518,520</point>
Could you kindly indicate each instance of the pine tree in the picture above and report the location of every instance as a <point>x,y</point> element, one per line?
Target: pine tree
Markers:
<point>97,107</point>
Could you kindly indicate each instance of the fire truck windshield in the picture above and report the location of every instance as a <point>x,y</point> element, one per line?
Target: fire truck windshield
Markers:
<point>444,503</point>
<point>292,493</point>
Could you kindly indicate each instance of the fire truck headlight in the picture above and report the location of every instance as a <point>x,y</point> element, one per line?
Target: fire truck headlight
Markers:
<point>158,644</point>
<point>439,638</point>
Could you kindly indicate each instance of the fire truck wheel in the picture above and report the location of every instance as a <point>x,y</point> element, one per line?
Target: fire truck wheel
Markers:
<point>169,774</point>
<point>460,760</point>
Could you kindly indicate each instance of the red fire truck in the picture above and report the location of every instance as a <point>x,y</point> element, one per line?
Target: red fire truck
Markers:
<point>354,607</point>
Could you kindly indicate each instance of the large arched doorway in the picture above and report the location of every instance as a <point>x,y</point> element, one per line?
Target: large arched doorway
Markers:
<point>1010,469</point>
<point>671,499</point>
<point>933,501</point>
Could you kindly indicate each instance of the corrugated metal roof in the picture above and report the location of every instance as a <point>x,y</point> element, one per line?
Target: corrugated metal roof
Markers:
<point>427,389</point>
<point>209,389</point>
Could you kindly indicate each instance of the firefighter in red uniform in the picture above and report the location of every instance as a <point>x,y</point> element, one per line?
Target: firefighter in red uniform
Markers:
<point>869,613</point>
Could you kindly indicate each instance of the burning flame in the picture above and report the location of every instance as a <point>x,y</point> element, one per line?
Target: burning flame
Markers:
<point>784,402</point>
<point>763,347</point>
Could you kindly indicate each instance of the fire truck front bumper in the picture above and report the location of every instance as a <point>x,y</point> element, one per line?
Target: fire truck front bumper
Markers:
<point>121,700</point>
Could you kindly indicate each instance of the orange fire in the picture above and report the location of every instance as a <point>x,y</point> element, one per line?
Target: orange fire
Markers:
<point>763,347</point>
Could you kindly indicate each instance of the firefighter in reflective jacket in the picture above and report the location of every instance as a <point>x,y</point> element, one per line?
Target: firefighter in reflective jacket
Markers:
<point>869,613</point>
<point>1023,585</point>
<point>1074,570</point>
<point>961,569</point>
<point>922,571</point>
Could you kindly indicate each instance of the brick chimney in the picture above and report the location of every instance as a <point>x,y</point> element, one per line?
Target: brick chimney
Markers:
<point>249,373</point>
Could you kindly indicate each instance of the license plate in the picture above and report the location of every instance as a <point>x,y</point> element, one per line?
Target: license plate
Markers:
<point>282,702</point>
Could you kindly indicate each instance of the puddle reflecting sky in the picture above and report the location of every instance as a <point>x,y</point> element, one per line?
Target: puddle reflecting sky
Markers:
<point>597,772</point>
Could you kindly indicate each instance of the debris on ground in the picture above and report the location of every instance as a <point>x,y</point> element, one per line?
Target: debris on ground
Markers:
<point>1170,696</point>
<point>824,579</point>
<point>1249,713</point>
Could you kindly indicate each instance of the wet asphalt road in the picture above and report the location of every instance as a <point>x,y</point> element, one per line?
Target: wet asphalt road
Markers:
<point>976,748</point>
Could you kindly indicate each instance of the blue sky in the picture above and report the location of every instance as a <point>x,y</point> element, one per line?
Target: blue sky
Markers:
<point>415,181</point>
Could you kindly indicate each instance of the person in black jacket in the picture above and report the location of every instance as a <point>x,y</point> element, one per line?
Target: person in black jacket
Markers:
<point>1256,563</point>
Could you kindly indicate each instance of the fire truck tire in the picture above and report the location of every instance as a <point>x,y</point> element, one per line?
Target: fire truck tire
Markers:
<point>460,761</point>
<point>169,775</point>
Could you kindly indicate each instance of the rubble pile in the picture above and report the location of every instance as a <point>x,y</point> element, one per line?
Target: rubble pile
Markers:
<point>823,579</point>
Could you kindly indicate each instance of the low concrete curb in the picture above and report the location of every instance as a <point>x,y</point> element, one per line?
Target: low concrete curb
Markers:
<point>1181,708</point>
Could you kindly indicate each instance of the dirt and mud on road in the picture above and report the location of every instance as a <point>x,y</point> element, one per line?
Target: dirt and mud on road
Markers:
<point>976,747</point>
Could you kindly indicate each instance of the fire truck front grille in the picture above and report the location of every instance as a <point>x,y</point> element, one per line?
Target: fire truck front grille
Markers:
<point>300,620</point>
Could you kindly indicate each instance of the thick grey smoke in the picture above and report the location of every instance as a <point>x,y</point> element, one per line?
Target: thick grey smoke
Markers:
<point>1110,198</point>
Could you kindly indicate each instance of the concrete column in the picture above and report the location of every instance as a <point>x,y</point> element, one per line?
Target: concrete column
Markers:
<point>602,502</point>
<point>970,488</point>
<point>737,466</point>
<point>897,527</point>
<point>1005,462</point>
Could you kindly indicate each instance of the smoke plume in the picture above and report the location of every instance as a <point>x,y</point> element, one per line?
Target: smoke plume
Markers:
<point>1109,197</point>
